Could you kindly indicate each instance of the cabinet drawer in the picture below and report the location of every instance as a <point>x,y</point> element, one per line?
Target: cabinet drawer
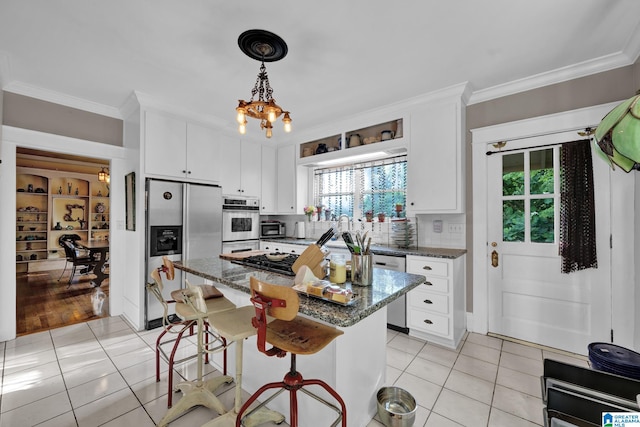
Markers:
<point>428,322</point>
<point>438,284</point>
<point>429,301</point>
<point>427,267</point>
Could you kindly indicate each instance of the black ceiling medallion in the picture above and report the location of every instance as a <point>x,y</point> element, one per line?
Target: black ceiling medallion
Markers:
<point>262,45</point>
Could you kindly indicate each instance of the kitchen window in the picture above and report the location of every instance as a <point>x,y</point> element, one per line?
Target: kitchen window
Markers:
<point>353,190</point>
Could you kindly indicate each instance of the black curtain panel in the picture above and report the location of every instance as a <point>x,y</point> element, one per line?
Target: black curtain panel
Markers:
<point>577,209</point>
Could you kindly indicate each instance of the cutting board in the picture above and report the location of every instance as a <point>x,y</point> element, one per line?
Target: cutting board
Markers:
<point>242,255</point>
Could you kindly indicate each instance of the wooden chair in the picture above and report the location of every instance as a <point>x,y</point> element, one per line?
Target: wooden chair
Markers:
<point>168,341</point>
<point>288,333</point>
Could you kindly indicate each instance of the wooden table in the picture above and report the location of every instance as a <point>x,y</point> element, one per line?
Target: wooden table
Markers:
<point>100,247</point>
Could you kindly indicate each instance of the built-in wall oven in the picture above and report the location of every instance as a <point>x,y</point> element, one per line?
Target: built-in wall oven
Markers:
<point>240,224</point>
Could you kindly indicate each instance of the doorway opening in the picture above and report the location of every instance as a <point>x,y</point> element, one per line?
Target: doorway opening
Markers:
<point>61,197</point>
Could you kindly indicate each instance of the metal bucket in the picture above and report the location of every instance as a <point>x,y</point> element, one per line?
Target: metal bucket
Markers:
<point>396,407</point>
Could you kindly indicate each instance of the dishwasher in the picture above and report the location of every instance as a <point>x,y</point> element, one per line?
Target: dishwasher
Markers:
<point>397,310</point>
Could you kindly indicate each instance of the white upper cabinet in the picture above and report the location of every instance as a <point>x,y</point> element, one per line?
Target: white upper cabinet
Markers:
<point>287,180</point>
<point>176,148</point>
<point>268,198</point>
<point>203,153</point>
<point>435,175</point>
<point>240,168</point>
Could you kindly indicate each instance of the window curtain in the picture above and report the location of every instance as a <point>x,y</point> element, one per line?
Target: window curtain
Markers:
<point>577,210</point>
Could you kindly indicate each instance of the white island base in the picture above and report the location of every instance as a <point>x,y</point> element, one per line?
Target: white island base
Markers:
<point>354,364</point>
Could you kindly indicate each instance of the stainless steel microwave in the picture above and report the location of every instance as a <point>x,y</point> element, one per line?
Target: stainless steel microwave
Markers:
<point>272,229</point>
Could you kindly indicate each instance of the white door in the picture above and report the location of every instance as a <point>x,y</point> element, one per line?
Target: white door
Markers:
<point>529,297</point>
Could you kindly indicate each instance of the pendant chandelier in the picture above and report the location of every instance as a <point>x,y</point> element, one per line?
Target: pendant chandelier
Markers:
<point>618,134</point>
<point>265,47</point>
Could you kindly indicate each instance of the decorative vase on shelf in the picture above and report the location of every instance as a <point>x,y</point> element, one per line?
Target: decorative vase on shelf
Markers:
<point>68,188</point>
<point>327,214</point>
<point>58,226</point>
<point>60,190</point>
<point>319,211</point>
<point>308,217</point>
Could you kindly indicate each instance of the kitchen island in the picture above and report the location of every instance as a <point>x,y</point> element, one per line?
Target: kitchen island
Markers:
<point>354,364</point>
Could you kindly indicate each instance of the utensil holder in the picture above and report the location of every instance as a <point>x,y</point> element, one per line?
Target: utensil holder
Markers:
<point>361,270</point>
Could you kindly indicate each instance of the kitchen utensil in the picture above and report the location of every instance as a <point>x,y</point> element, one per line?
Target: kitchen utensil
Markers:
<point>241,255</point>
<point>325,237</point>
<point>322,148</point>
<point>276,256</point>
<point>366,249</point>
<point>361,270</point>
<point>313,258</point>
<point>346,236</point>
<point>354,140</point>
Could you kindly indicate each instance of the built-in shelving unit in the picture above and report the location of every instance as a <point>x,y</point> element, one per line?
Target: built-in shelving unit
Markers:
<point>388,134</point>
<point>32,216</point>
<point>50,204</point>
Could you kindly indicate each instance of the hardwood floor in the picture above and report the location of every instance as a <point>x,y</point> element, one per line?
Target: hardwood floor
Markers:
<point>43,303</point>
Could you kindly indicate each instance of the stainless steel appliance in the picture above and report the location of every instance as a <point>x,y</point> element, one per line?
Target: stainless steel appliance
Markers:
<point>397,310</point>
<point>183,221</point>
<point>272,229</point>
<point>240,224</point>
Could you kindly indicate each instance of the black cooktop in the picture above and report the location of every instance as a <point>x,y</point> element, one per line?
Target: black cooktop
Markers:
<point>264,263</point>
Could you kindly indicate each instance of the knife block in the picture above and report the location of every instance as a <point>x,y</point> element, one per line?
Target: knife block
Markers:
<point>313,257</point>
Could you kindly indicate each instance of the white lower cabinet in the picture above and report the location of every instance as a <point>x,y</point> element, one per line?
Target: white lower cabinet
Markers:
<point>436,308</point>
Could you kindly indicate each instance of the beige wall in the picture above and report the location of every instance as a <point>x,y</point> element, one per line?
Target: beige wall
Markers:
<point>34,114</point>
<point>610,86</point>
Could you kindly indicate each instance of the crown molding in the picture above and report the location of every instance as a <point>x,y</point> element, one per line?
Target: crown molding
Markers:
<point>62,99</point>
<point>150,102</point>
<point>583,69</point>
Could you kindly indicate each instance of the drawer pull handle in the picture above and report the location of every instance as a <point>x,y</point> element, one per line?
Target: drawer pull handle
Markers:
<point>428,283</point>
<point>428,322</point>
<point>427,301</point>
<point>426,267</point>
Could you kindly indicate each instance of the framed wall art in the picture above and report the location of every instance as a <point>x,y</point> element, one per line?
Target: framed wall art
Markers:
<point>130,200</point>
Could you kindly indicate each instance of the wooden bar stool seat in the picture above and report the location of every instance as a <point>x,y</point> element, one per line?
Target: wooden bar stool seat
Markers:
<point>288,333</point>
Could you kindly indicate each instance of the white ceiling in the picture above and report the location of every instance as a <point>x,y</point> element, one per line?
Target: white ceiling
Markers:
<point>345,56</point>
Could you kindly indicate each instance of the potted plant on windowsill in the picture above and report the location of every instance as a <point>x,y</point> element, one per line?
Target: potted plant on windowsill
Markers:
<point>369,216</point>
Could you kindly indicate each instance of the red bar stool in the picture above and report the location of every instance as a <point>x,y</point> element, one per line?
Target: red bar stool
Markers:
<point>168,341</point>
<point>288,333</point>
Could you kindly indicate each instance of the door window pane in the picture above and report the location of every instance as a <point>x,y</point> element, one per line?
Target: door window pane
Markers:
<point>513,174</point>
<point>513,220</point>
<point>542,221</point>
<point>541,164</point>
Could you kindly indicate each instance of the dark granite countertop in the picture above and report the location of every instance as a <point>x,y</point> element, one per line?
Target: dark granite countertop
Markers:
<point>387,286</point>
<point>450,253</point>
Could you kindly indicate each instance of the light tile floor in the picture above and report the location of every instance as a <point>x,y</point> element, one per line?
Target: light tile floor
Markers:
<point>101,373</point>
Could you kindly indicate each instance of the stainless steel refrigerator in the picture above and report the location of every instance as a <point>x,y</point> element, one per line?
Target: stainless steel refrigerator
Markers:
<point>184,221</point>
